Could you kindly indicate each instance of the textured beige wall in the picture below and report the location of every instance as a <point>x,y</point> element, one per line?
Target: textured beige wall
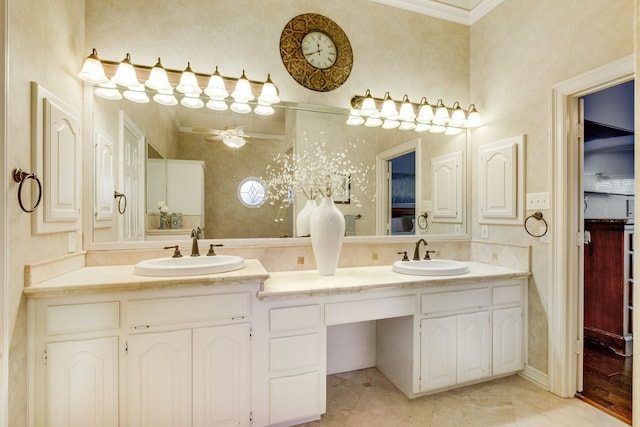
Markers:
<point>46,42</point>
<point>518,52</point>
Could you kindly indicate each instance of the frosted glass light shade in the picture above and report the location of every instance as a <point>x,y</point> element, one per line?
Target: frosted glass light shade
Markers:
<point>425,113</point>
<point>354,119</point>
<point>390,124</point>
<point>458,118</point>
<point>234,141</point>
<point>473,120</point>
<point>125,73</point>
<point>158,79</point>
<point>422,127</point>
<point>164,99</point>
<point>441,114</point>
<point>269,93</point>
<point>264,110</point>
<point>136,96</point>
<point>368,107</point>
<point>108,93</point>
<point>188,82</point>
<point>240,107</point>
<point>407,126</point>
<point>406,113</point>
<point>192,102</point>
<point>388,110</point>
<point>242,92</point>
<point>217,105</point>
<point>92,70</point>
<point>216,89</point>
<point>373,122</point>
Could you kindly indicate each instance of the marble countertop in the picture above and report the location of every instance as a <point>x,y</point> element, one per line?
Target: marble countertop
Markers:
<point>358,279</point>
<point>121,278</point>
<point>118,278</point>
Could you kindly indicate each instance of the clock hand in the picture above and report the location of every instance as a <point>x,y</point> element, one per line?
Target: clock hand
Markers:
<point>313,53</point>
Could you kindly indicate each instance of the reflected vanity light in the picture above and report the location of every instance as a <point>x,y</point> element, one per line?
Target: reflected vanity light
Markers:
<point>391,114</point>
<point>188,86</point>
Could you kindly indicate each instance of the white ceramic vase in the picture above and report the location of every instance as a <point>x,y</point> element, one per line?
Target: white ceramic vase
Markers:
<point>304,217</point>
<point>327,233</point>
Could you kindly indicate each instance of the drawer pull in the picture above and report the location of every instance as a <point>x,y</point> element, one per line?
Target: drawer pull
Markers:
<point>237,317</point>
<point>141,327</point>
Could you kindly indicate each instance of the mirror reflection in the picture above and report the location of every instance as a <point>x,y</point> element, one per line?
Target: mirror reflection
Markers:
<point>183,168</point>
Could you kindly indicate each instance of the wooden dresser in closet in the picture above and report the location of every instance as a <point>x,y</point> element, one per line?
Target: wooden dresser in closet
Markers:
<point>608,282</point>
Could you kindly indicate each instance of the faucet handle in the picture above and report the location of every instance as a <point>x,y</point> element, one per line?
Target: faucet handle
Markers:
<point>426,255</point>
<point>176,252</point>
<point>212,252</point>
<point>404,255</point>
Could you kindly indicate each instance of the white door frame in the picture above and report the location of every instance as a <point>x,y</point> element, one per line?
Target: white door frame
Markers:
<point>383,226</point>
<point>564,280</point>
<point>4,235</point>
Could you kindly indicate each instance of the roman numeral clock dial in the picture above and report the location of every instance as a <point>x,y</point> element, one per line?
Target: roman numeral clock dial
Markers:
<point>316,52</point>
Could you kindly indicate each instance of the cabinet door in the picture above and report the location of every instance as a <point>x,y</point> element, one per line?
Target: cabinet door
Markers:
<point>473,349</point>
<point>221,369</point>
<point>83,383</point>
<point>159,379</point>
<point>507,340</point>
<point>438,353</point>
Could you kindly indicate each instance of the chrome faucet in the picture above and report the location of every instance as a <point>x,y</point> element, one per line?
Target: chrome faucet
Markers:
<point>195,235</point>
<point>416,252</point>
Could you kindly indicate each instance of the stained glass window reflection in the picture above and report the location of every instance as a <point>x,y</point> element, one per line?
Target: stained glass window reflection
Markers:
<point>252,192</point>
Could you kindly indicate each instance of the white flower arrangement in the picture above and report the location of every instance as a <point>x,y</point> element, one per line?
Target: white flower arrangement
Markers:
<point>162,206</point>
<point>316,171</point>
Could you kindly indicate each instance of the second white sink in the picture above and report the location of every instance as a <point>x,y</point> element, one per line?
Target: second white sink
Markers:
<point>188,266</point>
<point>431,267</point>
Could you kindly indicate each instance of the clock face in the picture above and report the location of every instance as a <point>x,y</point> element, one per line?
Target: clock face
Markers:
<point>316,52</point>
<point>319,50</point>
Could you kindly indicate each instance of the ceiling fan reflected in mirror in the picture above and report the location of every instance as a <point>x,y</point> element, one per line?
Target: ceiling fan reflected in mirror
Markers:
<point>232,136</point>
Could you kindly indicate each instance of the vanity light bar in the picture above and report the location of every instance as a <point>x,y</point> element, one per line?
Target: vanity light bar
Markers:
<point>168,87</point>
<point>405,115</point>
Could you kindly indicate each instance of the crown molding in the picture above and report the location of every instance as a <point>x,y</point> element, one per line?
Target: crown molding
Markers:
<point>444,11</point>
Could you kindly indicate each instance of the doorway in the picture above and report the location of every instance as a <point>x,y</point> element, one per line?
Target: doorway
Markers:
<point>608,216</point>
<point>397,176</point>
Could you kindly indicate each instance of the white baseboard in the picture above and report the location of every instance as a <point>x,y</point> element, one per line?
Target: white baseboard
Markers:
<point>535,376</point>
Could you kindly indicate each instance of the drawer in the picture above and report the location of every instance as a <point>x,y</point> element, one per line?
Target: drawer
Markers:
<point>296,397</point>
<point>65,319</point>
<point>455,300</point>
<point>294,318</point>
<point>295,353</point>
<point>511,294</point>
<point>188,309</point>
<point>373,309</point>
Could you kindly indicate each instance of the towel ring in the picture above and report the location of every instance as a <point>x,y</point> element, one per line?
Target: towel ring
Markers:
<point>539,217</point>
<point>120,198</point>
<point>423,221</point>
<point>21,176</point>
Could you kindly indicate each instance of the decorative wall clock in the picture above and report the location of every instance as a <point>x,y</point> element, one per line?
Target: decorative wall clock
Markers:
<point>316,52</point>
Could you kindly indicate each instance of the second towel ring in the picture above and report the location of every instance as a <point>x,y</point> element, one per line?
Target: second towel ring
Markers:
<point>423,221</point>
<point>536,215</point>
<point>21,176</point>
<point>120,197</point>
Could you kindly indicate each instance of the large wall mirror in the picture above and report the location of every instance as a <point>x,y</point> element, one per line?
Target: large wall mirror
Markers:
<point>177,173</point>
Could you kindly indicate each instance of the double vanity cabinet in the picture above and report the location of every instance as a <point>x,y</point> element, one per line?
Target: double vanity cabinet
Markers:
<point>108,348</point>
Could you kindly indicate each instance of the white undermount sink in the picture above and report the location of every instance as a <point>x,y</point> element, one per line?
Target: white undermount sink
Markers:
<point>188,266</point>
<point>431,267</point>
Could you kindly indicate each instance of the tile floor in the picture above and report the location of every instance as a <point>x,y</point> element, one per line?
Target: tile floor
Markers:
<point>367,398</point>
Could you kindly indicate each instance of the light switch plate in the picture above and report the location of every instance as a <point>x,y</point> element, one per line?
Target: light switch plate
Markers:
<point>71,241</point>
<point>537,201</point>
<point>484,231</point>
